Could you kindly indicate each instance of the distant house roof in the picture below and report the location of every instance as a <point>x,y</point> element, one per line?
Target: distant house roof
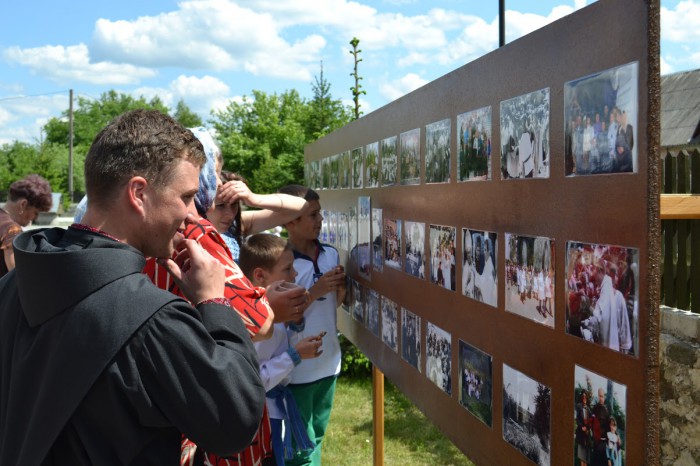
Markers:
<point>680,109</point>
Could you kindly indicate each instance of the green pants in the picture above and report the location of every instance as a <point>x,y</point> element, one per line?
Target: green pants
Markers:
<point>315,401</point>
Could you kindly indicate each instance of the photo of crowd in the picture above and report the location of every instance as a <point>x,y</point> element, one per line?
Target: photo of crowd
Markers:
<point>442,256</point>
<point>358,301</point>
<point>372,165</point>
<point>480,270</point>
<point>530,277</point>
<point>602,302</point>
<point>358,168</point>
<point>410,338</point>
<point>474,132</point>
<point>342,228</point>
<point>392,243</point>
<point>332,222</point>
<point>312,174</point>
<point>326,173</point>
<point>372,314</point>
<point>364,226</point>
<point>437,152</point>
<point>438,357</point>
<point>389,161</point>
<point>525,136</point>
<point>352,228</point>
<point>377,259</point>
<point>409,155</point>
<point>346,171</point>
<point>415,249</point>
<point>600,417</point>
<point>600,114</point>
<point>475,382</point>
<point>389,323</point>
<point>527,415</point>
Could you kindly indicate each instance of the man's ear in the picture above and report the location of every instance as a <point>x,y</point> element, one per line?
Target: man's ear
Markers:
<point>137,194</point>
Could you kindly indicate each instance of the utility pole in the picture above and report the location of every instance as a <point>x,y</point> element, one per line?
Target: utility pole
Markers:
<point>70,145</point>
<point>501,23</point>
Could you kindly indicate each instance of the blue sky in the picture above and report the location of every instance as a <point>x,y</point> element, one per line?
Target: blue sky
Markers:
<point>208,52</point>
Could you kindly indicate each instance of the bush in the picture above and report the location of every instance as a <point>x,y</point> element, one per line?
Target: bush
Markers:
<point>354,363</point>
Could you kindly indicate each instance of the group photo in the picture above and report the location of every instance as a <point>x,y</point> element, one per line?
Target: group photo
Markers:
<point>389,161</point>
<point>358,168</point>
<point>476,382</point>
<point>390,313</point>
<point>415,249</point>
<point>442,256</point>
<point>437,152</point>
<point>438,357</point>
<point>410,338</point>
<point>474,155</point>
<point>409,156</point>
<point>392,243</point>
<point>372,165</point>
<point>377,243</point>
<point>364,235</point>
<point>372,314</point>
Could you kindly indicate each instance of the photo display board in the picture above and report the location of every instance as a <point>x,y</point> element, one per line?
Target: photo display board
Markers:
<point>500,230</point>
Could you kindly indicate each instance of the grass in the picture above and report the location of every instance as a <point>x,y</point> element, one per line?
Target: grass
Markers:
<point>409,437</point>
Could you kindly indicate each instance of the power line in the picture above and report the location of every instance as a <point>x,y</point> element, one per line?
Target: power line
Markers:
<point>33,95</point>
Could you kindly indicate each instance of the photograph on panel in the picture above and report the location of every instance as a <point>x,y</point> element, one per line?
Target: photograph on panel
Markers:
<point>476,382</point>
<point>333,228</point>
<point>525,136</point>
<point>480,270</point>
<point>325,227</point>
<point>342,226</point>
<point>389,323</point>
<point>358,168</point>
<point>415,249</point>
<point>352,229</point>
<point>474,138</point>
<point>326,173</point>
<point>530,277</point>
<point>372,165</point>
<point>392,243</point>
<point>442,256</point>
<point>600,115</point>
<point>389,160</point>
<point>410,338</point>
<point>372,312</point>
<point>409,156</point>
<point>358,301</point>
<point>307,175</point>
<point>345,170</point>
<point>600,417</point>
<point>602,295</point>
<point>315,174</point>
<point>334,172</point>
<point>438,357</point>
<point>348,300</point>
<point>527,415</point>
<point>377,257</point>
<point>437,151</point>
<point>362,252</point>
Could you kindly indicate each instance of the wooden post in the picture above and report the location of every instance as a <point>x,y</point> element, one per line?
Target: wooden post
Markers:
<point>378,415</point>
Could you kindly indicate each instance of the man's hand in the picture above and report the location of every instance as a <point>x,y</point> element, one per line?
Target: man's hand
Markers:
<point>288,300</point>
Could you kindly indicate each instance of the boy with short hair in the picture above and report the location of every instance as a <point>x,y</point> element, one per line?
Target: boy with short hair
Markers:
<point>317,265</point>
<point>266,259</point>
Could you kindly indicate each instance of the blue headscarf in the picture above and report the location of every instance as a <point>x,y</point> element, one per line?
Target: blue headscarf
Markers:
<point>204,198</point>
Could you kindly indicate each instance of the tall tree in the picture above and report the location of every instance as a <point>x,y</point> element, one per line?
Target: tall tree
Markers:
<point>357,89</point>
<point>185,116</point>
<point>325,114</point>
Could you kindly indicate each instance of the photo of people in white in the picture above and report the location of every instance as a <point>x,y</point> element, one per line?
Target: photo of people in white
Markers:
<point>390,323</point>
<point>372,165</point>
<point>389,161</point>
<point>377,258</point>
<point>474,155</point>
<point>438,357</point>
<point>358,301</point>
<point>415,249</point>
<point>410,338</point>
<point>363,255</point>
<point>392,243</point>
<point>442,256</point>
<point>437,152</point>
<point>372,314</point>
<point>480,270</point>
<point>358,168</point>
<point>409,155</point>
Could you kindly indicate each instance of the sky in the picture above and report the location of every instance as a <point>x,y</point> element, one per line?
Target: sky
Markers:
<point>209,52</point>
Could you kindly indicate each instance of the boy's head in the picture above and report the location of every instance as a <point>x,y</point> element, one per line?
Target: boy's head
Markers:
<point>307,226</point>
<point>267,258</point>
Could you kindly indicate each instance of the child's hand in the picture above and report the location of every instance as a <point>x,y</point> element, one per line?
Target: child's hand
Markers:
<point>329,282</point>
<point>310,347</point>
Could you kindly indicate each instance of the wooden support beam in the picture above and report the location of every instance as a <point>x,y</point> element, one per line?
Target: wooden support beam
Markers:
<point>680,206</point>
<point>378,415</point>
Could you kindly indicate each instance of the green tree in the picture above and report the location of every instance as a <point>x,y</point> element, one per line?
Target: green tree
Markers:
<point>185,116</point>
<point>325,114</point>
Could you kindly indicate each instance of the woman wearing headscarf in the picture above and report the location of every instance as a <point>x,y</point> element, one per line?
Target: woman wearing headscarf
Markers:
<point>27,197</point>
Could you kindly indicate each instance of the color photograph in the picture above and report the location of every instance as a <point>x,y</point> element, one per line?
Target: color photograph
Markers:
<point>372,314</point>
<point>530,277</point>
<point>438,357</point>
<point>442,256</point>
<point>390,323</point>
<point>415,249</point>
<point>525,136</point>
<point>358,168</point>
<point>326,173</point>
<point>345,170</point>
<point>409,155</point>
<point>372,165</point>
<point>480,269</point>
<point>389,161</point>
<point>527,415</point>
<point>334,173</point>
<point>377,257</point>
<point>410,338</point>
<point>476,382</point>
<point>392,243</point>
<point>474,155</point>
<point>602,295</point>
<point>437,152</point>
<point>600,420</point>
<point>600,115</point>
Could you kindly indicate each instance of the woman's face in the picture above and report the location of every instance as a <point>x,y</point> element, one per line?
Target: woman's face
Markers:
<point>222,215</point>
<point>26,213</point>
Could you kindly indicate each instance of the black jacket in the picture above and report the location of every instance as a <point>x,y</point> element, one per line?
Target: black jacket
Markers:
<point>98,366</point>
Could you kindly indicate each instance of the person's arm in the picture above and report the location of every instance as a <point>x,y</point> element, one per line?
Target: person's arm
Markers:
<point>274,370</point>
<point>9,255</point>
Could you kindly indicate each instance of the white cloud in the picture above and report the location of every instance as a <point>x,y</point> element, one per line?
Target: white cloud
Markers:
<point>392,90</point>
<point>682,24</point>
<point>72,63</point>
<point>666,68</point>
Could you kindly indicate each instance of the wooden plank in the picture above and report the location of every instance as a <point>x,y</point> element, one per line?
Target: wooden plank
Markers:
<point>680,206</point>
<point>378,414</point>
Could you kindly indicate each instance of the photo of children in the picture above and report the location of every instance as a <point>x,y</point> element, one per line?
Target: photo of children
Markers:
<point>372,314</point>
<point>600,115</point>
<point>438,357</point>
<point>389,161</point>
<point>358,168</point>
<point>525,136</point>
<point>474,133</point>
<point>390,323</point>
<point>600,420</point>
<point>410,338</point>
<point>415,249</point>
<point>377,258</point>
<point>475,382</point>
<point>392,243</point>
<point>530,277</point>
<point>602,295</point>
<point>442,256</point>
<point>363,254</point>
<point>372,165</point>
<point>437,152</point>
<point>358,301</point>
<point>345,170</point>
<point>334,173</point>
<point>527,415</point>
<point>409,155</point>
<point>480,270</point>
